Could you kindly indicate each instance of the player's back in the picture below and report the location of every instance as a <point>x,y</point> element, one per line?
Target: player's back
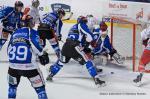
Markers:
<point>50,19</point>
<point>19,49</point>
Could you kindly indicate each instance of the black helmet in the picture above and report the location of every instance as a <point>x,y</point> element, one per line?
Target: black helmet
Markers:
<point>61,11</point>
<point>18,4</point>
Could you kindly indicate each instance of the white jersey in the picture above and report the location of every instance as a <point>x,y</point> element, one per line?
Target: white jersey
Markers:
<point>34,12</point>
<point>145,34</point>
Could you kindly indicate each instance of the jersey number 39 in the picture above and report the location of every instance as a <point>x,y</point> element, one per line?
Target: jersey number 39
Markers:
<point>18,53</point>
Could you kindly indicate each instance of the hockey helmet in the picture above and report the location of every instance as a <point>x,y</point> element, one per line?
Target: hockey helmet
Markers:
<point>18,4</point>
<point>61,11</point>
<point>35,3</point>
<point>81,19</point>
<point>103,26</point>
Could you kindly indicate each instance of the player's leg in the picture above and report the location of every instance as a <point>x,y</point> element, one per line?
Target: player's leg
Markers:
<point>89,54</point>
<point>54,42</point>
<point>89,65</point>
<point>145,59</point>
<point>13,81</point>
<point>42,36</point>
<point>55,68</point>
<point>3,38</point>
<point>37,81</point>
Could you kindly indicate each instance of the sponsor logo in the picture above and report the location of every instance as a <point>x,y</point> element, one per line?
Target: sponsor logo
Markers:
<point>56,6</point>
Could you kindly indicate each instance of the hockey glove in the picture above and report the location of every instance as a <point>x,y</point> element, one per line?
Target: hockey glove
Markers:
<point>145,42</point>
<point>112,52</point>
<point>44,59</point>
<point>59,37</point>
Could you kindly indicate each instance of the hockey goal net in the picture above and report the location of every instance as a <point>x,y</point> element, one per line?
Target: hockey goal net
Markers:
<point>126,39</point>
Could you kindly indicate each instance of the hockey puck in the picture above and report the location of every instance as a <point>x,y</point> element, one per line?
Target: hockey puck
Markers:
<point>112,72</point>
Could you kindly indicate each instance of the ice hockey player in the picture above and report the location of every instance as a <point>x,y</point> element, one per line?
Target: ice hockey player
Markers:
<point>72,49</point>
<point>22,49</point>
<point>10,18</point>
<point>145,58</point>
<point>34,12</point>
<point>102,44</point>
<point>50,29</point>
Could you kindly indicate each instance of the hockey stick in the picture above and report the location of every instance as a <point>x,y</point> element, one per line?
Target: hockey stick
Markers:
<point>71,14</point>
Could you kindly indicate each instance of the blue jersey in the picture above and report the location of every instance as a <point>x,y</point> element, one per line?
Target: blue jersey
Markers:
<point>103,44</point>
<point>52,19</point>
<point>80,32</point>
<point>10,18</point>
<point>23,47</point>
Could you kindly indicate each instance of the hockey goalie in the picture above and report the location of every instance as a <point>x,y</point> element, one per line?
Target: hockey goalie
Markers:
<point>102,48</point>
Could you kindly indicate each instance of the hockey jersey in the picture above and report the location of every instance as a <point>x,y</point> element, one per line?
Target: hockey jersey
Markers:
<point>145,34</point>
<point>52,19</point>
<point>80,32</point>
<point>23,48</point>
<point>10,18</point>
<point>103,44</point>
<point>34,12</point>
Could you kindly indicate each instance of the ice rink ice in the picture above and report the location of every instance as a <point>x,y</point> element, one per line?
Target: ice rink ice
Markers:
<point>74,82</point>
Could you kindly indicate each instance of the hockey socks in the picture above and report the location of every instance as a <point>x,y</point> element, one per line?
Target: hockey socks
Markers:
<point>12,92</point>
<point>55,46</point>
<point>41,92</point>
<point>54,69</point>
<point>91,68</point>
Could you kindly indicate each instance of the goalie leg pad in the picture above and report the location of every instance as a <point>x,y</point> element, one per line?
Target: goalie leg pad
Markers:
<point>119,59</point>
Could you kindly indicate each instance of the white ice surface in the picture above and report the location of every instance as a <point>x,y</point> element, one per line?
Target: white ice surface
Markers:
<point>73,82</point>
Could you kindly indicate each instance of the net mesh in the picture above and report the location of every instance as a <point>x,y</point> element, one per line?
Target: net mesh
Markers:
<point>126,38</point>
